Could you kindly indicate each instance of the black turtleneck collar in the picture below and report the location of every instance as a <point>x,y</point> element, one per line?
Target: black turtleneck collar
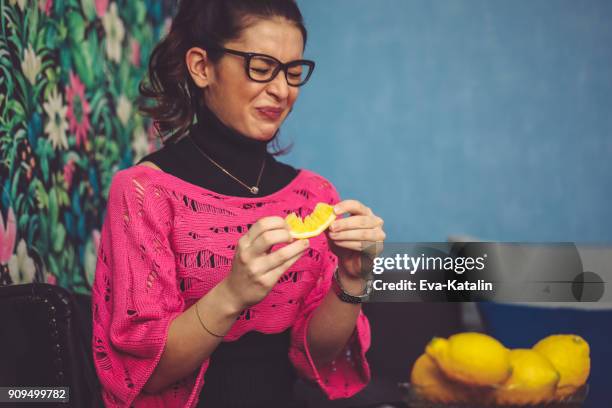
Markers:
<point>228,147</point>
<point>210,131</point>
<point>240,155</point>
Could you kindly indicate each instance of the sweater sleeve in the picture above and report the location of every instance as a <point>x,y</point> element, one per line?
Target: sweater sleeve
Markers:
<point>135,296</point>
<point>350,371</point>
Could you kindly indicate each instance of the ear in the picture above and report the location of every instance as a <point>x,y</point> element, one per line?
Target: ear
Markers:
<point>199,66</point>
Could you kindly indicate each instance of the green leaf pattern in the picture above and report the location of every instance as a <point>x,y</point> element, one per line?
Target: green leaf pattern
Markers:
<point>69,75</point>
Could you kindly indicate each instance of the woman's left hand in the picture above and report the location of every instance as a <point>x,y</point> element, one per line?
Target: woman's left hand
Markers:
<point>350,236</point>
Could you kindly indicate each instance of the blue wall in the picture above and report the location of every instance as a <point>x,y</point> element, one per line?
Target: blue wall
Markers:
<point>490,118</point>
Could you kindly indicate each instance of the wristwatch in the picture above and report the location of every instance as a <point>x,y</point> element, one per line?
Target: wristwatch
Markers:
<point>346,297</point>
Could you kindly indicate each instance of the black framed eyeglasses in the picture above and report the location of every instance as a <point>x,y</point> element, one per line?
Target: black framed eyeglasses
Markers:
<point>264,68</point>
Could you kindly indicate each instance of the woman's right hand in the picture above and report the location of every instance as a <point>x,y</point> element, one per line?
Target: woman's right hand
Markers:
<point>255,268</point>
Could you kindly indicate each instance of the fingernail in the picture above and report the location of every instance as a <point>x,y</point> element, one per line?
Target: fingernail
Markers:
<point>306,242</point>
<point>337,209</point>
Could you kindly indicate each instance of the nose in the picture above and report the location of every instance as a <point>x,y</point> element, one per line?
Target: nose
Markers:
<point>279,87</point>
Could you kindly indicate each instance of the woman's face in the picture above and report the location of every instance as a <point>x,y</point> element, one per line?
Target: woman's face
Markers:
<point>254,109</point>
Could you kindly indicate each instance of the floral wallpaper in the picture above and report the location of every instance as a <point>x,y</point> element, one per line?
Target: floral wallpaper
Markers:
<point>69,75</point>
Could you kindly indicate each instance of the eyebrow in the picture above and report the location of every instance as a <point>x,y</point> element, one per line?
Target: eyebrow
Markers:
<point>254,51</point>
<point>276,58</point>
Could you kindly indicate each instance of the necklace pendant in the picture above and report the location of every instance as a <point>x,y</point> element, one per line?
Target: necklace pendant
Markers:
<point>254,190</point>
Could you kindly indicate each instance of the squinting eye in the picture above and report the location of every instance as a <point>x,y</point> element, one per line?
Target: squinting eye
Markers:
<point>260,70</point>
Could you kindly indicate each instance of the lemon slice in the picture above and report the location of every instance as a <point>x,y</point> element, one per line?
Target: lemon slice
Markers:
<point>313,224</point>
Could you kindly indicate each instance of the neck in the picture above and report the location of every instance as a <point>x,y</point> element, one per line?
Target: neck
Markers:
<point>240,155</point>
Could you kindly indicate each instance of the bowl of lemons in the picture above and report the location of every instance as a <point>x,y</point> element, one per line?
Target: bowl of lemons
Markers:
<point>476,370</point>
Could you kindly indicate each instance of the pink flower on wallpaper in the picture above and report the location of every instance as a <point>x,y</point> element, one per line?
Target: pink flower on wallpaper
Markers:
<point>46,5</point>
<point>135,45</point>
<point>50,279</point>
<point>68,173</point>
<point>8,235</point>
<point>101,6</point>
<point>78,109</point>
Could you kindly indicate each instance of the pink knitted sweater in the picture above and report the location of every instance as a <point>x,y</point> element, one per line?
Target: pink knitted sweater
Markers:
<point>165,243</point>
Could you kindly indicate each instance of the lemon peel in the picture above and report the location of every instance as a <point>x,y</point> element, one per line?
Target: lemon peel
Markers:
<point>471,358</point>
<point>533,380</point>
<point>569,354</point>
<point>430,382</point>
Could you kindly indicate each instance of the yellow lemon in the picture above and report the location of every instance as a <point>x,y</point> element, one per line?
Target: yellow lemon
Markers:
<point>313,224</point>
<point>432,384</point>
<point>471,358</point>
<point>569,354</point>
<point>533,379</point>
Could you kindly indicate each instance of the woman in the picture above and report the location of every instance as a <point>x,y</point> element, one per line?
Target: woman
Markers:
<point>201,296</point>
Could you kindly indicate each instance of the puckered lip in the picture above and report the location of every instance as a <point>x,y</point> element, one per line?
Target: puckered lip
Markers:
<point>274,109</point>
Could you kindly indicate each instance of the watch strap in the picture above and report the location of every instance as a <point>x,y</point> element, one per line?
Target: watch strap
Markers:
<point>347,297</point>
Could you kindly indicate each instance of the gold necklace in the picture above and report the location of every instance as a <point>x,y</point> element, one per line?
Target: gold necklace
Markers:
<point>253,189</point>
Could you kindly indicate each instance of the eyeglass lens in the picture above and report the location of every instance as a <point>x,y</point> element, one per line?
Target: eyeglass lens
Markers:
<point>262,69</point>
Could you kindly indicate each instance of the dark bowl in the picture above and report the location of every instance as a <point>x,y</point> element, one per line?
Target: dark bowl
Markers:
<point>414,399</point>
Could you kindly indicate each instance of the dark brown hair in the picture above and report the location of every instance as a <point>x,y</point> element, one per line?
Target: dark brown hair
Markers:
<point>207,24</point>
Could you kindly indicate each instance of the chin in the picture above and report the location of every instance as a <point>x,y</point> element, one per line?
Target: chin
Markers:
<point>267,136</point>
<point>267,133</point>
